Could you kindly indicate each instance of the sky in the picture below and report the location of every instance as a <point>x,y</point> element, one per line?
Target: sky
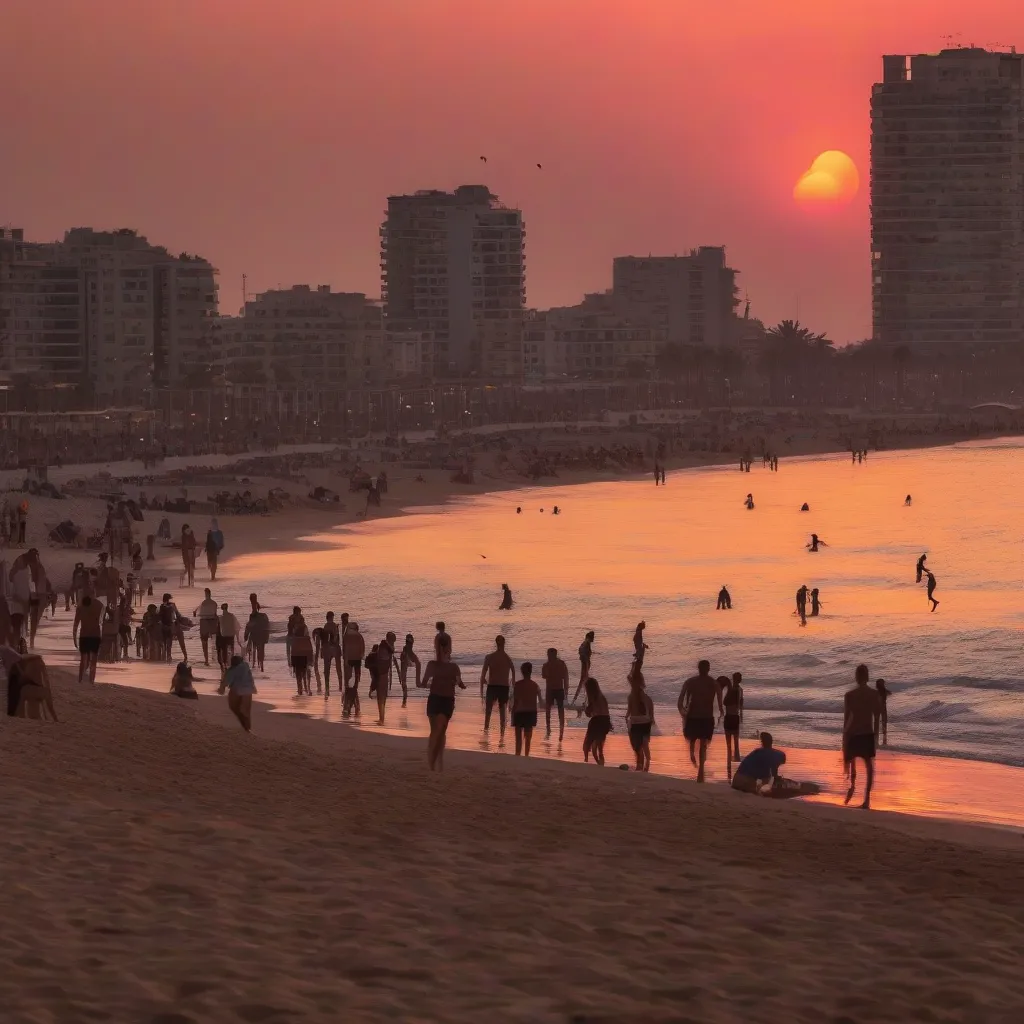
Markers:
<point>266,135</point>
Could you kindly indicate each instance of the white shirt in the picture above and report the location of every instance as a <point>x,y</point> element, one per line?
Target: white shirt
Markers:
<point>228,624</point>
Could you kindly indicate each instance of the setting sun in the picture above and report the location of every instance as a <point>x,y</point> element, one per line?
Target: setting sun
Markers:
<point>832,178</point>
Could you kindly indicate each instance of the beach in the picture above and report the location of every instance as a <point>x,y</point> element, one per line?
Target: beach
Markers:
<point>189,872</point>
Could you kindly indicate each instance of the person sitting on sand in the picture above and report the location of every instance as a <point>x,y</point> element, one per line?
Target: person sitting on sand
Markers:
<point>759,767</point>
<point>600,723</point>
<point>181,682</point>
<point>28,685</point>
<point>239,683</point>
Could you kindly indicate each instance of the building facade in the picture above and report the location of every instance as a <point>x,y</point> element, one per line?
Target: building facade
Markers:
<point>690,299</point>
<point>453,278</point>
<point>302,336</point>
<point>947,198</point>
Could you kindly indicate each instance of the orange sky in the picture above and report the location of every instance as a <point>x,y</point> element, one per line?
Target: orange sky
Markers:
<point>266,134</point>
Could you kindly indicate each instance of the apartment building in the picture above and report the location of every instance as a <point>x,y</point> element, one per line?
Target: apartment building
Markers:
<point>947,198</point>
<point>690,299</point>
<point>304,336</point>
<point>453,276</point>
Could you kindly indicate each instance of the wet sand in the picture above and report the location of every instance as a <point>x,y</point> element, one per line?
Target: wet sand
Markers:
<point>162,868</point>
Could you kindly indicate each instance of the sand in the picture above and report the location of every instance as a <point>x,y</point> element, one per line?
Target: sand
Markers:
<point>159,866</point>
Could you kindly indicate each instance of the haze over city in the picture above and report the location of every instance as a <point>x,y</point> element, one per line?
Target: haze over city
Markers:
<point>267,135</point>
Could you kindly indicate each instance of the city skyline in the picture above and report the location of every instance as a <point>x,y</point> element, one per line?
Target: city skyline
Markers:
<point>269,143</point>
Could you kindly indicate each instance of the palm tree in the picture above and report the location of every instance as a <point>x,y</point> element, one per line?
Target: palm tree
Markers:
<point>792,350</point>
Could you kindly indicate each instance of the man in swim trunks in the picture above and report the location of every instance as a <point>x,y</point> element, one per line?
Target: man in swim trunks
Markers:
<point>495,680</point>
<point>696,706</point>
<point>759,767</point>
<point>862,708</point>
<point>555,674</point>
<point>525,696</point>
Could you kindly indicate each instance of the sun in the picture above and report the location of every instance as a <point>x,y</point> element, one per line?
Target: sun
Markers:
<point>831,180</point>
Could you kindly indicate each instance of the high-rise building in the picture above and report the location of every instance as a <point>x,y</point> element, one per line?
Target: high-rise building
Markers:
<point>107,310</point>
<point>453,281</point>
<point>947,198</point>
<point>690,299</point>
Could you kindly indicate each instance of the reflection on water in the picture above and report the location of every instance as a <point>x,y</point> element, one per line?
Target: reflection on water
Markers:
<point>626,551</point>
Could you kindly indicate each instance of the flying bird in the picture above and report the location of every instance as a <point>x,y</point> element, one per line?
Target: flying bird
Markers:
<point>484,159</point>
<point>483,556</point>
<point>539,168</point>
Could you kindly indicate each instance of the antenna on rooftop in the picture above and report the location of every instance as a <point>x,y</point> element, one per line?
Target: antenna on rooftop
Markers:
<point>245,291</point>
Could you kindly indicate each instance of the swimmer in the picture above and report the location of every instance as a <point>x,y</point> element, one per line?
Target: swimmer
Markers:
<point>506,598</point>
<point>803,508</point>
<point>749,501</point>
<point>724,600</point>
<point>555,511</point>
<point>931,589</point>
<point>816,543</point>
<point>908,500</point>
<point>519,510</point>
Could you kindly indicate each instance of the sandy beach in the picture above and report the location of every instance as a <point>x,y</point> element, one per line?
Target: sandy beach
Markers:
<point>189,872</point>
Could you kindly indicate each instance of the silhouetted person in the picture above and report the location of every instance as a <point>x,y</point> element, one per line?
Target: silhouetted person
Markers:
<point>815,602</point>
<point>816,542</point>
<point>803,508</point>
<point>883,719</point>
<point>920,566</point>
<point>931,589</point>
<point>506,598</point>
<point>862,708</point>
<point>801,604</point>
<point>724,600</point>
<point>908,500</point>
<point>749,501</point>
<point>639,647</point>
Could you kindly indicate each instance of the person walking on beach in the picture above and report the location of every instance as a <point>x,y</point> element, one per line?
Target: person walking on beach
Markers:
<point>441,639</point>
<point>525,697</point>
<point>441,677</point>
<point>171,628</point>
<point>639,647</point>
<point>724,600</point>
<point>228,630</point>
<point>586,652</point>
<point>495,684</point>
<point>302,656</point>
<point>257,636</point>
<point>920,566</point>
<point>696,707</point>
<point>385,661</point>
<point>188,555</point>
<point>214,545</point>
<point>408,657</point>
<point>600,724</point>
<point>330,652</point>
<point>732,703</point>
<point>639,719</point>
<point>862,708</point>
<point>87,635</point>
<point>931,588</point>
<point>353,652</point>
<point>555,674</point>
<point>241,687</point>
<point>207,612</point>
<point>816,542</point>
<point>883,718</point>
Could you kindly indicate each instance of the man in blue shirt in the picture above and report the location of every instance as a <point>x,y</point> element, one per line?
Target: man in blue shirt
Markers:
<point>759,766</point>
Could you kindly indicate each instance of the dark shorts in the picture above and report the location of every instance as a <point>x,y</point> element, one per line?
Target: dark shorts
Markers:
<point>699,728</point>
<point>89,644</point>
<point>731,723</point>
<point>556,697</point>
<point>355,663</point>
<point>497,694</point>
<point>524,719</point>
<point>859,746</point>
<point>299,663</point>
<point>597,728</point>
<point>638,734</point>
<point>438,705</point>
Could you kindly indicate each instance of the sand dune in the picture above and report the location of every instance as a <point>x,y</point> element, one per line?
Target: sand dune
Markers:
<point>160,868</point>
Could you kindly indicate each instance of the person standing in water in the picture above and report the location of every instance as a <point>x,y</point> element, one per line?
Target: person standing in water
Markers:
<point>862,708</point>
<point>732,702</point>
<point>696,707</point>
<point>600,724</point>
<point>920,566</point>
<point>639,647</point>
<point>749,501</point>
<point>640,719</point>
<point>586,652</point>
<point>931,589</point>
<point>257,635</point>
<point>441,639</point>
<point>406,658</point>
<point>525,698</point>
<point>330,652</point>
<point>353,651</point>
<point>441,678</point>
<point>724,599</point>
<point>495,684</point>
<point>385,663</point>
<point>801,604</point>
<point>816,542</point>
<point>815,602</point>
<point>908,500</point>
<point>556,682</point>
<point>506,598</point>
<point>883,719</point>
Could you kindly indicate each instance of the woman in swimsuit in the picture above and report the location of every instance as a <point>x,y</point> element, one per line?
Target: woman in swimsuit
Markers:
<point>600,724</point>
<point>732,702</point>
<point>441,678</point>
<point>640,718</point>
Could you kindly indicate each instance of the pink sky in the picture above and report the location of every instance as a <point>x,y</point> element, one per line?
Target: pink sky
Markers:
<point>266,134</point>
